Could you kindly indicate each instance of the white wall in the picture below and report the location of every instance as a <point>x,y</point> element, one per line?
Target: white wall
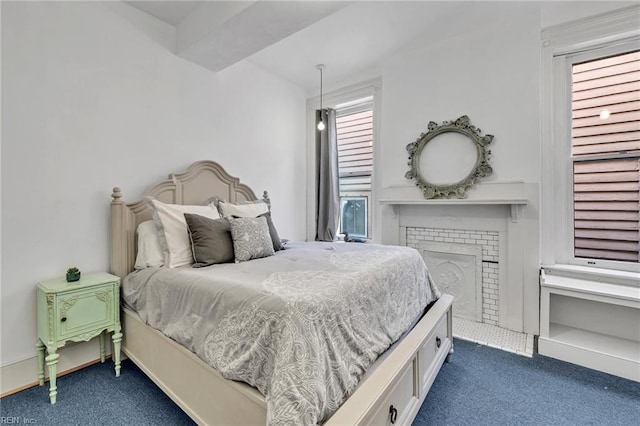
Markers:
<point>90,102</point>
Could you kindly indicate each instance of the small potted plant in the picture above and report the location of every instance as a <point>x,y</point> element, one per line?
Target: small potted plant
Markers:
<point>73,274</point>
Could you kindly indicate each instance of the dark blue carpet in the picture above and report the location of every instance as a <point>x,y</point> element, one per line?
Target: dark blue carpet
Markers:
<point>95,396</point>
<point>481,386</point>
<point>487,386</point>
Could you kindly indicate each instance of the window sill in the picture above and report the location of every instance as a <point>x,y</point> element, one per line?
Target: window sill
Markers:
<point>609,276</point>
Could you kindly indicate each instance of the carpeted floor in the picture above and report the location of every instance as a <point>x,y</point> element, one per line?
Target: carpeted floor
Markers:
<point>95,396</point>
<point>481,386</point>
<point>487,386</point>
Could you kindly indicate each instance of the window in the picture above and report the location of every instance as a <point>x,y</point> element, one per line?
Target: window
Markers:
<point>353,216</point>
<point>588,205</point>
<point>605,150</point>
<point>357,183</point>
<point>354,125</point>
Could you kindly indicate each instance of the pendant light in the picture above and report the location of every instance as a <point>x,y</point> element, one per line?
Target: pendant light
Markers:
<point>321,126</point>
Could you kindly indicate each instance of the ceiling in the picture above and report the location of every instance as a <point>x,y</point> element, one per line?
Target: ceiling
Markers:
<point>354,40</point>
<point>288,38</point>
<point>172,12</point>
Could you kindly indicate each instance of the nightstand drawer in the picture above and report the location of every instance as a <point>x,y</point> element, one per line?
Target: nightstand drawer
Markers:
<point>85,310</point>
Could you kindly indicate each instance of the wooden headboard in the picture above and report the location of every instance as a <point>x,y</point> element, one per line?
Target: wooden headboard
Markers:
<point>201,181</point>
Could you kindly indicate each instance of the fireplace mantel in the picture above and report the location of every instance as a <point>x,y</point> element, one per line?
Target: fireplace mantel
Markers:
<point>494,193</point>
<point>508,210</point>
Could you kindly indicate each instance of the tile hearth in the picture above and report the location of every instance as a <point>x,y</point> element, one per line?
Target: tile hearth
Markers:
<point>493,336</point>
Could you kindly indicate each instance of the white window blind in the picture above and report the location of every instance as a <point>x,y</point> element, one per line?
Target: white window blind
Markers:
<point>606,156</point>
<point>355,150</point>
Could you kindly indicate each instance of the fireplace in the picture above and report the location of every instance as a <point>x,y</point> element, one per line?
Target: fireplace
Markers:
<point>463,263</point>
<point>501,218</point>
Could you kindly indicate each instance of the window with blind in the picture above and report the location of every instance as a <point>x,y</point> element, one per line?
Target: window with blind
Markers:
<point>606,158</point>
<point>354,124</point>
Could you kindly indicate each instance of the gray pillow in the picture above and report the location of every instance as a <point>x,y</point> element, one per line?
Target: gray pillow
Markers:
<point>275,238</point>
<point>251,238</point>
<point>211,241</point>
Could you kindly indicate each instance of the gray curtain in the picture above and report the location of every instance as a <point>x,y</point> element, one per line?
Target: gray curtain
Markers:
<point>327,185</point>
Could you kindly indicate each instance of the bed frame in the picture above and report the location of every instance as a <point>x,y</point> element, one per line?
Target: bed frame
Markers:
<point>391,392</point>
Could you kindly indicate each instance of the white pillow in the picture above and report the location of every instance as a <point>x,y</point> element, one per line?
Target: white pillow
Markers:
<point>250,209</point>
<point>150,252</point>
<point>170,221</point>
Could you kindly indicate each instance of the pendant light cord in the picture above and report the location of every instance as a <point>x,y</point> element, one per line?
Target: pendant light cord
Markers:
<point>321,91</point>
<point>321,67</point>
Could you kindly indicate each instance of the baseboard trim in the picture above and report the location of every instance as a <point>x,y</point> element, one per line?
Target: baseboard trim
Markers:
<point>23,374</point>
<point>60,374</point>
<point>590,358</point>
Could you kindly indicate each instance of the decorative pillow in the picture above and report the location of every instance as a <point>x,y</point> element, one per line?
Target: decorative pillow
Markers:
<point>211,241</point>
<point>150,252</point>
<point>251,239</point>
<point>275,238</point>
<point>172,229</point>
<point>243,209</point>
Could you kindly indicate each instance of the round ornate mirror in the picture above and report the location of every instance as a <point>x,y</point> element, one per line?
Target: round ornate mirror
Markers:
<point>449,158</point>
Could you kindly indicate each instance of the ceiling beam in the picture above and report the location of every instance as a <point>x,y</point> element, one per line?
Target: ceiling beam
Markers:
<point>220,34</point>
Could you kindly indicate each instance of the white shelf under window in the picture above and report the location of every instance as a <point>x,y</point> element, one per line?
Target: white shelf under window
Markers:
<point>612,346</point>
<point>591,322</point>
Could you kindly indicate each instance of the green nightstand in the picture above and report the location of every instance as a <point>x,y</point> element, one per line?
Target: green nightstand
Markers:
<point>76,312</point>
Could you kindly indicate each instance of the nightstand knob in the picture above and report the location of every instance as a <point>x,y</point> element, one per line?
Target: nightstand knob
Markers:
<point>438,342</point>
<point>63,319</point>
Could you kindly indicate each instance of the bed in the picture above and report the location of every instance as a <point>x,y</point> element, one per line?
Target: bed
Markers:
<point>390,392</point>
